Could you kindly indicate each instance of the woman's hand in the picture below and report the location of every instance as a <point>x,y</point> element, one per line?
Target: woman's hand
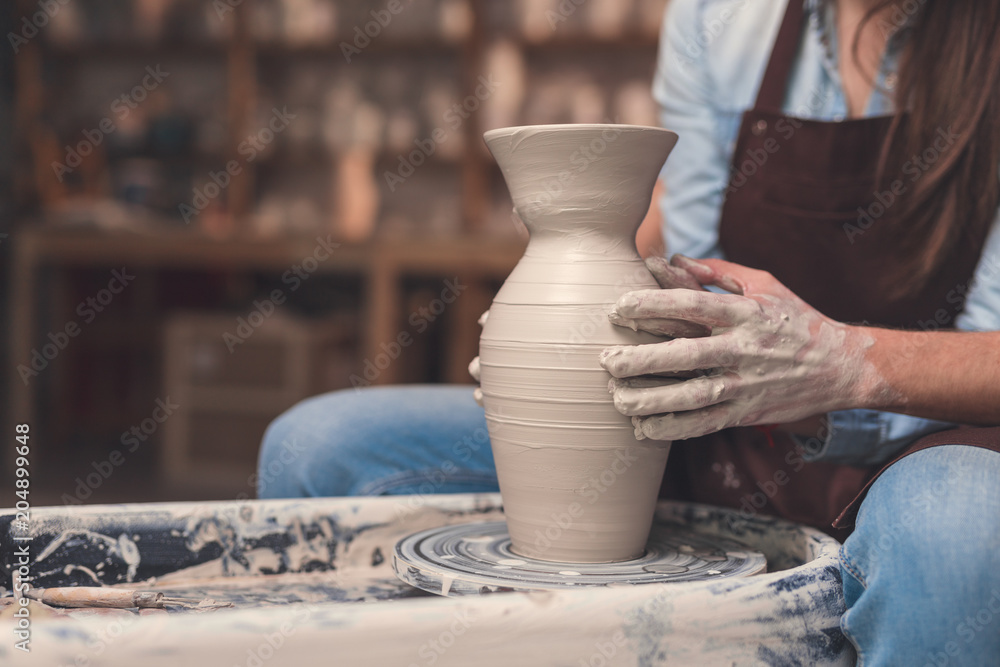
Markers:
<point>770,358</point>
<point>474,368</point>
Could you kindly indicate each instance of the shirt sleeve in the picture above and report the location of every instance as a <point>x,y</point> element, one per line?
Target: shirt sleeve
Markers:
<point>868,437</point>
<point>982,303</point>
<point>697,171</point>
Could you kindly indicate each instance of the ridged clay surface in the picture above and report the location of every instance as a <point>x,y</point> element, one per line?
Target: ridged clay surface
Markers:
<point>576,484</point>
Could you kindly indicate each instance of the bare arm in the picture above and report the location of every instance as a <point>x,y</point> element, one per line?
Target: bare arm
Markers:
<point>947,375</point>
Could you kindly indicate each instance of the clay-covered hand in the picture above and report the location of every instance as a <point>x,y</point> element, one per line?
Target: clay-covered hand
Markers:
<point>668,276</point>
<point>770,358</point>
<point>474,370</point>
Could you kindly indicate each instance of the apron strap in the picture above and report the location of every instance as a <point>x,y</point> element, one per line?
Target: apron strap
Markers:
<point>771,96</point>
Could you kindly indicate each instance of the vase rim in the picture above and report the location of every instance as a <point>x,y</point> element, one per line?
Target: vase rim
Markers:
<point>577,126</point>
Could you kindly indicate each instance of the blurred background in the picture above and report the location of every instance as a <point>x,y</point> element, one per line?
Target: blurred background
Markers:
<point>212,209</point>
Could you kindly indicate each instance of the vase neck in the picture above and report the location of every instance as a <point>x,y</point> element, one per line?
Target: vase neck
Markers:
<point>583,235</point>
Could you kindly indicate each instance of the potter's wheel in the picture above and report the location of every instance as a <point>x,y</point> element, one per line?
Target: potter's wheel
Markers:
<point>475,558</point>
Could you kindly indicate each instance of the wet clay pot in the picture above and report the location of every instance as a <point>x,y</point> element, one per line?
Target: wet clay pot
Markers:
<point>576,484</point>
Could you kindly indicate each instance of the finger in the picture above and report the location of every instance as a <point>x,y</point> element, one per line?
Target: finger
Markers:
<point>706,274</point>
<point>477,395</point>
<point>652,380</point>
<point>475,370</point>
<point>708,308</point>
<point>482,318</point>
<point>684,425</point>
<point>645,398</point>
<point>682,354</point>
<point>671,277</point>
<point>662,327</point>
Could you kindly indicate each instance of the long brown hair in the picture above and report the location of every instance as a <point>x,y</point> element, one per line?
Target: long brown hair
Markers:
<point>948,82</point>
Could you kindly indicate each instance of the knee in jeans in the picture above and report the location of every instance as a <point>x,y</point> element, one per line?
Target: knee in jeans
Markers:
<point>925,538</point>
<point>285,453</point>
<point>276,463</point>
<point>281,446</point>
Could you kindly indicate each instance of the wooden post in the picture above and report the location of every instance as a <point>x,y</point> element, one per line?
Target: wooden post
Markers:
<point>475,175</point>
<point>242,106</point>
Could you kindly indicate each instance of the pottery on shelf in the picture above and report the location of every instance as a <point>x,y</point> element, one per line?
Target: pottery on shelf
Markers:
<point>576,484</point>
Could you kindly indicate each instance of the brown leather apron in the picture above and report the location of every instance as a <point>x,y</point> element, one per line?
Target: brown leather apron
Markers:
<point>792,209</point>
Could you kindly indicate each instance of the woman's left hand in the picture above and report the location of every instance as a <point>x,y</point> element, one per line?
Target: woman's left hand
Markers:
<point>770,359</point>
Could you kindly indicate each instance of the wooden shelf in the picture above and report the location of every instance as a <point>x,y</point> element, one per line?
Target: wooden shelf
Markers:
<point>116,50</point>
<point>429,46</point>
<point>180,249</point>
<point>379,271</point>
<point>623,42</point>
<point>382,264</point>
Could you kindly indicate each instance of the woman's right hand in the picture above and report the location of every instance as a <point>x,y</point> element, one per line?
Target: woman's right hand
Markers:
<point>474,369</point>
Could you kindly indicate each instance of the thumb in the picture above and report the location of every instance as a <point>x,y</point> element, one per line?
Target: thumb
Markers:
<point>729,276</point>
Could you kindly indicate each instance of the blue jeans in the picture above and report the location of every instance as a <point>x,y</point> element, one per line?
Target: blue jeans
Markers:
<point>921,571</point>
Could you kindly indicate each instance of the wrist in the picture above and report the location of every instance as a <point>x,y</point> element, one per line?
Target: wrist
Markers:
<point>868,387</point>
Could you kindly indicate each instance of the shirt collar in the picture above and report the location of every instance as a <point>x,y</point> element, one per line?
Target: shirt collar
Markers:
<point>822,14</point>
<point>822,22</point>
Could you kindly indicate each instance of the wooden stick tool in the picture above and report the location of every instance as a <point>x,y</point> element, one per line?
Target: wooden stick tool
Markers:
<point>113,598</point>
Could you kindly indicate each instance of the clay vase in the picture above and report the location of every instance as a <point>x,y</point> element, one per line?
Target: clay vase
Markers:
<point>576,484</point>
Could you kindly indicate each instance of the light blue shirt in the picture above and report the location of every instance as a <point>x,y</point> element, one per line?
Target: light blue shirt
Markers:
<point>711,62</point>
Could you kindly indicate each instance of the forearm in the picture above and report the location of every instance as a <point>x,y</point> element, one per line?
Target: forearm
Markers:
<point>946,375</point>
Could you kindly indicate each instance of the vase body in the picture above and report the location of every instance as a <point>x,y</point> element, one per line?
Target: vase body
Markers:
<point>576,484</point>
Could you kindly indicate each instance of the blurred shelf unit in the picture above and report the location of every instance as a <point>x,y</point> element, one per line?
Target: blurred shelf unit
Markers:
<point>225,400</point>
<point>297,117</point>
<point>223,138</point>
